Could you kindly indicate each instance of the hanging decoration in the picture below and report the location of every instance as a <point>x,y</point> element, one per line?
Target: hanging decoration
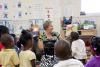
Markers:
<point>5,6</point>
<point>19,5</point>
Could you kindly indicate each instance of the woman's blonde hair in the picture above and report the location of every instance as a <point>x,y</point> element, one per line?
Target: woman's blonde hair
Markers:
<point>46,24</point>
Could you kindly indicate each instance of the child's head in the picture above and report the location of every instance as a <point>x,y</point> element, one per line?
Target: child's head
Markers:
<point>14,36</point>
<point>7,40</point>
<point>74,35</point>
<point>63,50</point>
<point>26,39</point>
<point>96,45</point>
<point>3,30</point>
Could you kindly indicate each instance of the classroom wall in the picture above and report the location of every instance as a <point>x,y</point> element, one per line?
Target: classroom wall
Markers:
<point>31,9</point>
<point>70,7</point>
<point>38,9</point>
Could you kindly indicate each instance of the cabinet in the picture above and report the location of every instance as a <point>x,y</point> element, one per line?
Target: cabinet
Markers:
<point>86,35</point>
<point>87,32</point>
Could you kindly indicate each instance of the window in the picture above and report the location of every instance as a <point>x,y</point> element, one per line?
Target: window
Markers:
<point>90,6</point>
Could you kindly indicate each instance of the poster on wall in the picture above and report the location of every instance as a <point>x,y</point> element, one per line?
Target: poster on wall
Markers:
<point>0,7</point>
<point>19,5</point>
<point>1,12</point>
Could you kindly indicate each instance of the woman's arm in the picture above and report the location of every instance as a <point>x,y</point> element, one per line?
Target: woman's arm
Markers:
<point>40,44</point>
<point>33,63</point>
<point>62,34</point>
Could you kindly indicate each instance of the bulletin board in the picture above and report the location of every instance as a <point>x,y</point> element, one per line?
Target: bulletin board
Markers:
<point>21,9</point>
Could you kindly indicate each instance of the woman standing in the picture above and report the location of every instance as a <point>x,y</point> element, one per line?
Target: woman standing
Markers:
<point>46,44</point>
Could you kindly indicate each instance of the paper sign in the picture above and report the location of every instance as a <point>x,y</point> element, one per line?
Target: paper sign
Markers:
<point>0,7</point>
